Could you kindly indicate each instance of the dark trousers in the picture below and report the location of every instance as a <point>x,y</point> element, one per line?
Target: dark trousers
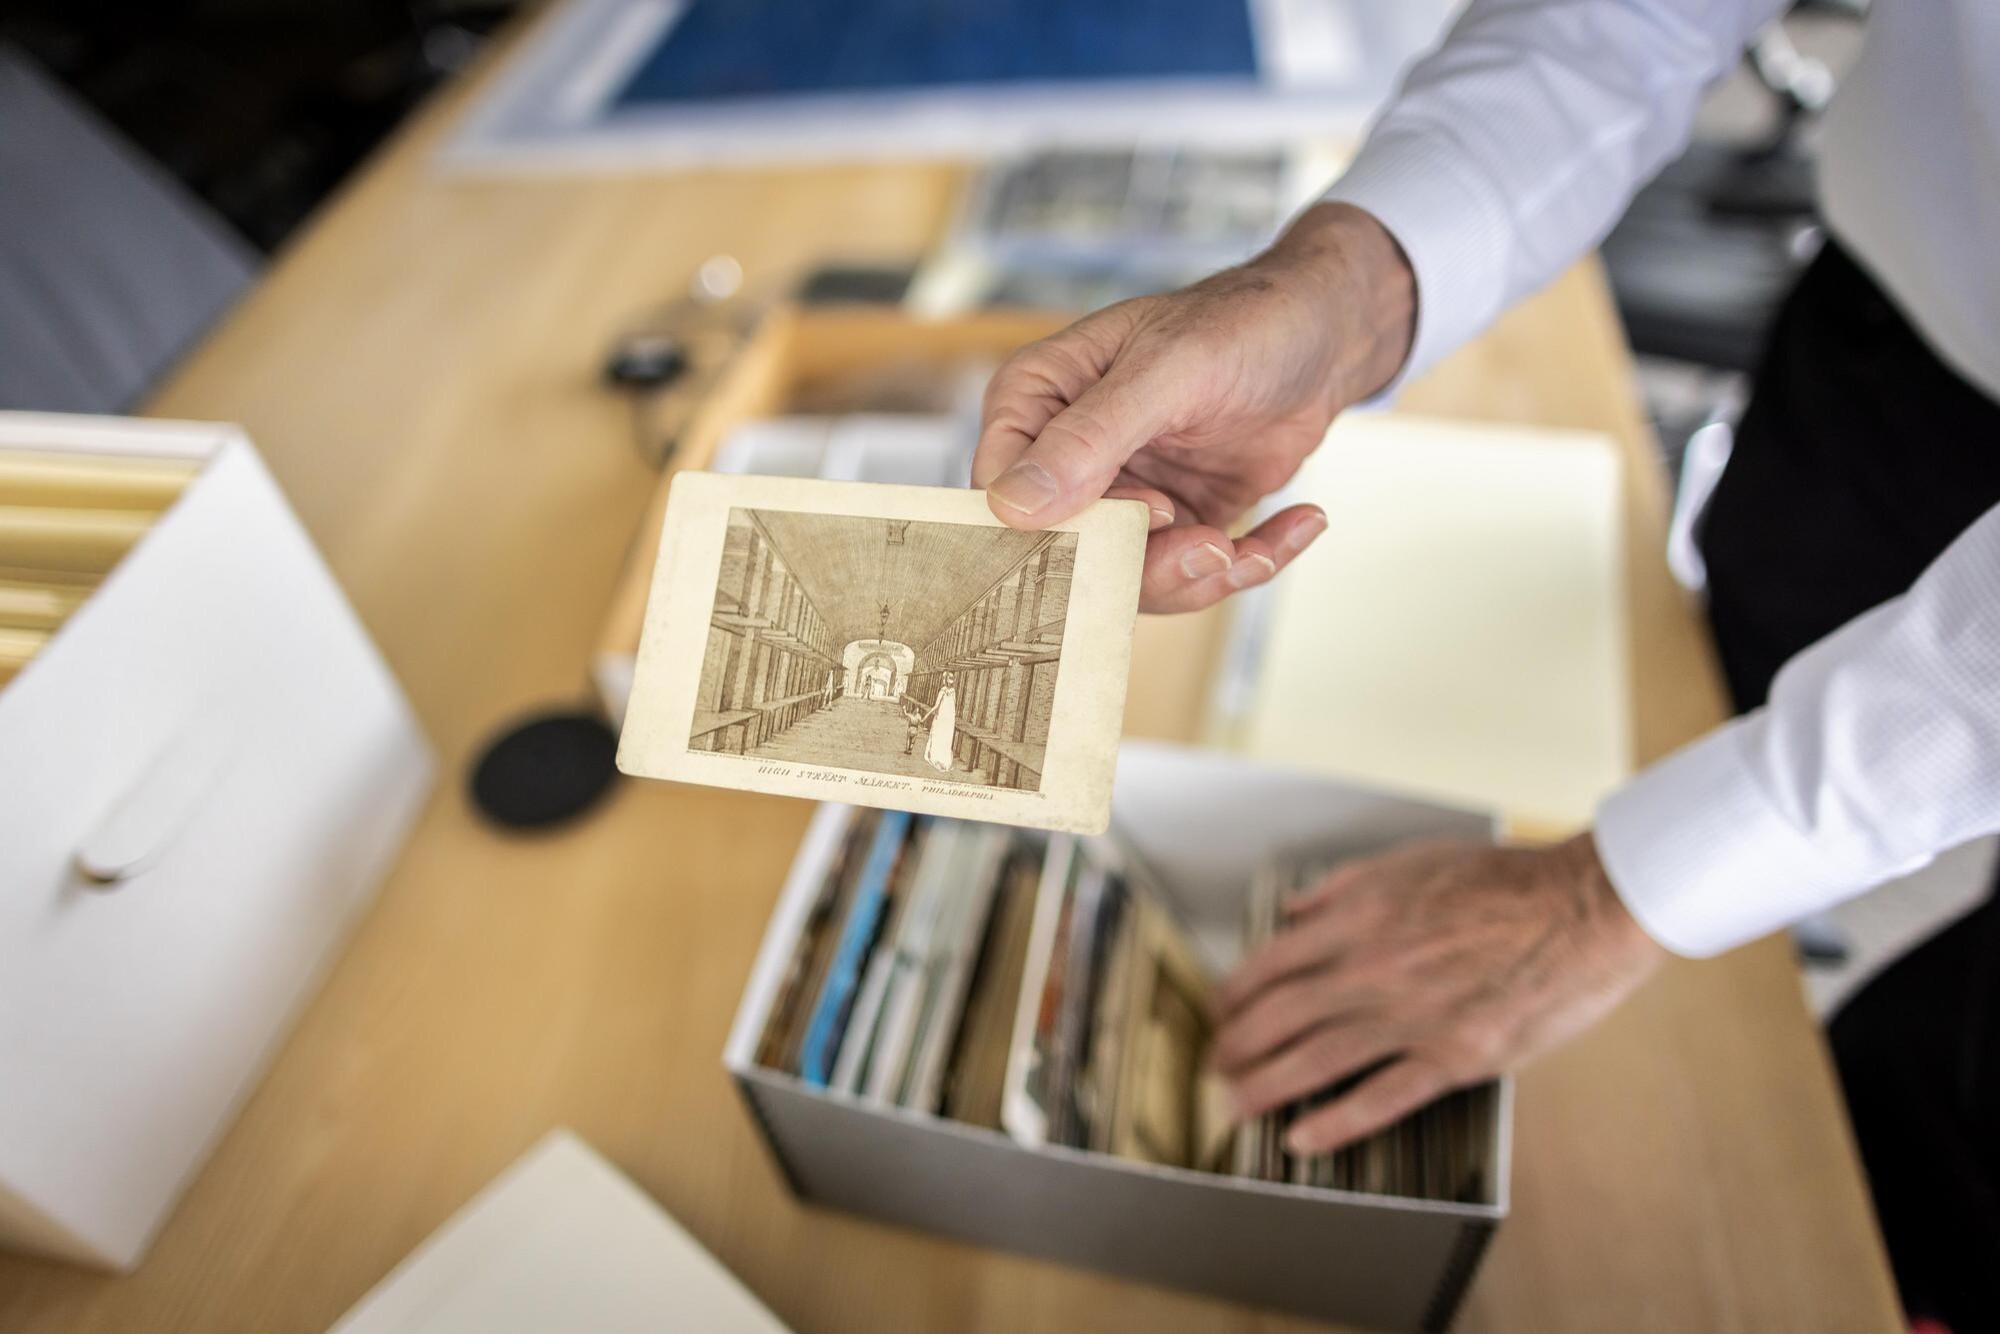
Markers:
<point>1859,460</point>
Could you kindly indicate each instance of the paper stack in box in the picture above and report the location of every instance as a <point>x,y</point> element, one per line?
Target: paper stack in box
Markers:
<point>1046,988</point>
<point>65,520</point>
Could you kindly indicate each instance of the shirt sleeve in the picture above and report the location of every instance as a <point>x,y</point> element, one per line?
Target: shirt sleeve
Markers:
<point>1511,149</point>
<point>1880,748</point>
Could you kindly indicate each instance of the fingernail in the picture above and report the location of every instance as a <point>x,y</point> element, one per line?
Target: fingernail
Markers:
<point>1252,568</point>
<point>1304,532</point>
<point>1204,560</point>
<point>1161,518</point>
<point>1300,1144</point>
<point>1026,487</point>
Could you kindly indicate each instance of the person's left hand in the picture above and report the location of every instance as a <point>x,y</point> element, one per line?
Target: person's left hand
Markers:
<point>1442,964</point>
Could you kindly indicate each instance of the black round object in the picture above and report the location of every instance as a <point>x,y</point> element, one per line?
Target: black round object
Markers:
<point>549,768</point>
<point>646,361</point>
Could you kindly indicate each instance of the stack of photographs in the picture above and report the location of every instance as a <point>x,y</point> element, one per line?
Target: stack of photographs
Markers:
<point>1033,985</point>
<point>1111,1026</point>
<point>883,974</point>
<point>1434,1154</point>
<point>1043,987</point>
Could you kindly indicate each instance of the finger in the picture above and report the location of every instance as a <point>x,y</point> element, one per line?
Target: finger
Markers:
<point>1078,454</point>
<point>1172,586</point>
<point>1313,1063</point>
<point>1284,955</point>
<point>1391,867</point>
<point>1195,595</point>
<point>1183,560</point>
<point>1158,503</point>
<point>1192,566</point>
<point>1288,532</point>
<point>1279,1015</point>
<point>1328,888</point>
<point>1377,1102</point>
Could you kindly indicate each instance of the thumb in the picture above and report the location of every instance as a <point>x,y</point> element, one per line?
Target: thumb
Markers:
<point>1076,456</point>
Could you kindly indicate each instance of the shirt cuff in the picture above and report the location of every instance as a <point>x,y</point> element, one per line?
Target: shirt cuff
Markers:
<point>1451,224</point>
<point>1702,858</point>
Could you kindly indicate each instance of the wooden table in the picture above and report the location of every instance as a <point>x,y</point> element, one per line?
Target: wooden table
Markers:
<point>420,369</point>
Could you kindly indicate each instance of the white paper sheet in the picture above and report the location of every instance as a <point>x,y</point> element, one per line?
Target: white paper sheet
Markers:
<point>560,1241</point>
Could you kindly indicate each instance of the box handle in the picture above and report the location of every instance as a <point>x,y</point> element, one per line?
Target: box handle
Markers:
<point>143,822</point>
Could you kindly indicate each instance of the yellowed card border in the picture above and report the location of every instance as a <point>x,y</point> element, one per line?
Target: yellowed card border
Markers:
<point>1085,715</point>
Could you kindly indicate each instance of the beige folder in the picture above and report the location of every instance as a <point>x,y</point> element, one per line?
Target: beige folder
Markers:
<point>1459,630</point>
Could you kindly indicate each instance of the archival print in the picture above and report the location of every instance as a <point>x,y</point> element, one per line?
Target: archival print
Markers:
<point>890,646</point>
<point>924,650</point>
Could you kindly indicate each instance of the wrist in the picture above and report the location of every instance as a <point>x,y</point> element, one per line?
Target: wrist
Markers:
<point>1604,927</point>
<point>1362,288</point>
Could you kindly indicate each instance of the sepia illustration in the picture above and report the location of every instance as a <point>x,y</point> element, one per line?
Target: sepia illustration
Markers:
<point>889,646</point>
<point>901,647</point>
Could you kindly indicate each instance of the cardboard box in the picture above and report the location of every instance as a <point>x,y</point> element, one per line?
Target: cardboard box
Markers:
<point>1202,820</point>
<point>202,777</point>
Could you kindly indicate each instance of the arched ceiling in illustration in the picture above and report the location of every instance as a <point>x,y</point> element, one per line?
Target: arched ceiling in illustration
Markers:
<point>927,573</point>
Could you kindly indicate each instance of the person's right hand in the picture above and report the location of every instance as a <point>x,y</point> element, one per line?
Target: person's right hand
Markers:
<point>1202,402</point>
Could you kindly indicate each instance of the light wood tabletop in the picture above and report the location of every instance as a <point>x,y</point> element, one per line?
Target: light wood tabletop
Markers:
<point>421,371</point>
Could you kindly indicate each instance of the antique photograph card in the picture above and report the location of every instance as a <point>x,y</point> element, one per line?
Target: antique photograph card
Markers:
<point>892,646</point>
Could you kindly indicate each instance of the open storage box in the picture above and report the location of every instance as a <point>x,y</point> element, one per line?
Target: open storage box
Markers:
<point>1202,821</point>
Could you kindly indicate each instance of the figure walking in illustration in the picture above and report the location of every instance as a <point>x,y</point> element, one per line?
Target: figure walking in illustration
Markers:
<point>944,726</point>
<point>826,696</point>
<point>913,725</point>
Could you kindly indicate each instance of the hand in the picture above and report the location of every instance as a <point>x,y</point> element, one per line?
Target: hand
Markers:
<point>1202,402</point>
<point>1442,963</point>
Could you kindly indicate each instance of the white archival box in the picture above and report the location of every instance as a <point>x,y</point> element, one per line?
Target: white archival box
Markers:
<point>216,705</point>
<point>1201,820</point>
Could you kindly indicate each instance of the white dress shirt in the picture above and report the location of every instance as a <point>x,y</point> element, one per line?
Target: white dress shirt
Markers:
<point>1509,152</point>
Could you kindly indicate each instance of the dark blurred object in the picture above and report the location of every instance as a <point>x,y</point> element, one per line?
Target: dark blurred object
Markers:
<point>1820,943</point>
<point>261,107</point>
<point>670,359</point>
<point>646,361</point>
<point>856,284</point>
<point>1705,254</point>
<point>1698,278</point>
<point>545,770</point>
<point>109,270</point>
<point>1918,1053</point>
